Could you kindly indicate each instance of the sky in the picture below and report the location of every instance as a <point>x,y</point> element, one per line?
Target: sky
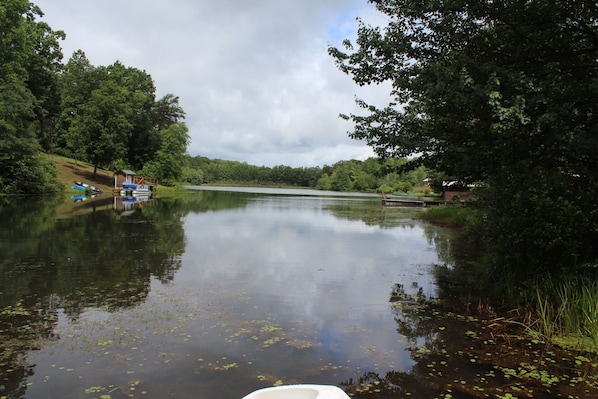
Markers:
<point>253,76</point>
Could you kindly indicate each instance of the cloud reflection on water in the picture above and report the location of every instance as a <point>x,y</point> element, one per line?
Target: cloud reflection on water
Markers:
<point>302,265</point>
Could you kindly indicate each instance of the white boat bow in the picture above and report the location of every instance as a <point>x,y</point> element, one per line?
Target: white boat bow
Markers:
<point>300,391</point>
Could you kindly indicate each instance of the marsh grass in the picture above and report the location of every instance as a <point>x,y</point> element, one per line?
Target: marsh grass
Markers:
<point>567,312</point>
<point>457,215</point>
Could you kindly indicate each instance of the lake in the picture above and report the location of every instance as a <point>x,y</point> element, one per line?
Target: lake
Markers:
<point>213,294</point>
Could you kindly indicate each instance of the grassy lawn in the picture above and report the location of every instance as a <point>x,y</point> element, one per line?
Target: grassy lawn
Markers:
<point>70,170</point>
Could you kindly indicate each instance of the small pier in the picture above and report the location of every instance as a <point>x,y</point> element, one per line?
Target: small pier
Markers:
<point>411,202</point>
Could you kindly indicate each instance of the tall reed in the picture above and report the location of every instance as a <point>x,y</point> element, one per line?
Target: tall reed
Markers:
<point>569,308</point>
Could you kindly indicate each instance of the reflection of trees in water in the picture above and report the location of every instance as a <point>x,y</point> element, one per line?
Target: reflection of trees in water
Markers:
<point>373,214</point>
<point>95,260</point>
<point>455,355</point>
<point>436,338</point>
<point>406,310</point>
<point>421,333</point>
<point>458,355</point>
<point>462,276</point>
<point>24,326</point>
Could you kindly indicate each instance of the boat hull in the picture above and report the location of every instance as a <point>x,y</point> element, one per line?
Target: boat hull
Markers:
<point>301,391</point>
<point>135,193</point>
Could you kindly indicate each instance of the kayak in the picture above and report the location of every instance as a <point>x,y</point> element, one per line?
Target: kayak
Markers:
<point>84,186</point>
<point>300,391</point>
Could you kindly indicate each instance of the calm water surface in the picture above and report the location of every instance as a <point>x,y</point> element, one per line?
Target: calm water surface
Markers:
<point>211,295</point>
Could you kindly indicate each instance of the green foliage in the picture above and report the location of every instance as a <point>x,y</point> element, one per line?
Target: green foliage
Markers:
<point>123,97</point>
<point>192,176</point>
<point>151,168</point>
<point>43,66</point>
<point>120,164</point>
<point>538,222</point>
<point>501,93</point>
<point>324,183</point>
<point>341,180</point>
<point>167,111</point>
<point>170,159</point>
<point>76,83</point>
<point>448,215</point>
<point>102,128</point>
<point>173,147</point>
<point>354,175</point>
<point>23,96</point>
<point>568,309</point>
<point>139,91</point>
<point>30,174</point>
<point>44,172</point>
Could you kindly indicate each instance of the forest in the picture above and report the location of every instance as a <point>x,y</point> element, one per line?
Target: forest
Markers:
<point>365,176</point>
<point>105,115</point>
<point>110,117</point>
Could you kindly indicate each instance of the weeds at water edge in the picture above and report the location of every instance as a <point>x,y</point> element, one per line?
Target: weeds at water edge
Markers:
<point>567,314</point>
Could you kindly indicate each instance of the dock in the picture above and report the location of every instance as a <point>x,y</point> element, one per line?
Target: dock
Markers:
<point>408,202</point>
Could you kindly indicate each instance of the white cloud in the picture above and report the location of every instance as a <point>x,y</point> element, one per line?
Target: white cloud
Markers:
<point>254,77</point>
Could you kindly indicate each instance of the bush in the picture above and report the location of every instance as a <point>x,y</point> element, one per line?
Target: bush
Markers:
<point>192,176</point>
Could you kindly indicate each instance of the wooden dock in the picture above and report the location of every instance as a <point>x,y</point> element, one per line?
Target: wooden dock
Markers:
<point>407,202</point>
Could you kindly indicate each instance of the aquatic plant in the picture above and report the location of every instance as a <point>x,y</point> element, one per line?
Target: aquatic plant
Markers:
<point>567,312</point>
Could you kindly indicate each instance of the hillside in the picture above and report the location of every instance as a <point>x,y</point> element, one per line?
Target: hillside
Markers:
<point>70,170</point>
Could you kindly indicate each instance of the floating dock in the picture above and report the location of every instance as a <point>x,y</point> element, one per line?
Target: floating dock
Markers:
<point>411,202</point>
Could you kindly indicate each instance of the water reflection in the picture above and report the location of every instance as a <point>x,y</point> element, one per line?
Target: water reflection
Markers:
<point>191,293</point>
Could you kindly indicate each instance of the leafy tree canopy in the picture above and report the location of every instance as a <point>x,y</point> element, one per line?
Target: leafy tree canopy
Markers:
<point>499,92</point>
<point>481,84</point>
<point>171,155</point>
<point>101,114</point>
<point>28,54</point>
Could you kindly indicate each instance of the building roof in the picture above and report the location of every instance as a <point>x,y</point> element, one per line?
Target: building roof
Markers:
<point>127,172</point>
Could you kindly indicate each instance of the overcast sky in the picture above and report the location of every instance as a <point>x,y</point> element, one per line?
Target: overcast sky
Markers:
<point>253,76</point>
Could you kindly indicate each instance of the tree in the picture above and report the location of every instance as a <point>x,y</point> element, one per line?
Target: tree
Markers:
<point>324,183</point>
<point>101,129</point>
<point>142,139</point>
<point>43,65</point>
<point>167,111</point>
<point>171,157</point>
<point>500,93</point>
<point>22,169</point>
<point>77,82</point>
<point>341,178</point>
<point>192,176</point>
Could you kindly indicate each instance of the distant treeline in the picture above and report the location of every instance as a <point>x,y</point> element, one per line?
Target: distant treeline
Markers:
<point>370,175</point>
<point>110,117</point>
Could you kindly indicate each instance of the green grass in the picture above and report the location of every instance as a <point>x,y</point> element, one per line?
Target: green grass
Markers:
<point>454,215</point>
<point>567,312</point>
<point>70,170</point>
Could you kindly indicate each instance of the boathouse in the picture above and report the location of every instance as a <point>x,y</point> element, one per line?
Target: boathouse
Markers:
<point>123,176</point>
<point>127,179</point>
<point>455,191</point>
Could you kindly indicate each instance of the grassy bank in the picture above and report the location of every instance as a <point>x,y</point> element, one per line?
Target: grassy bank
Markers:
<point>71,170</point>
<point>567,312</point>
<point>564,309</point>
<point>453,215</point>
